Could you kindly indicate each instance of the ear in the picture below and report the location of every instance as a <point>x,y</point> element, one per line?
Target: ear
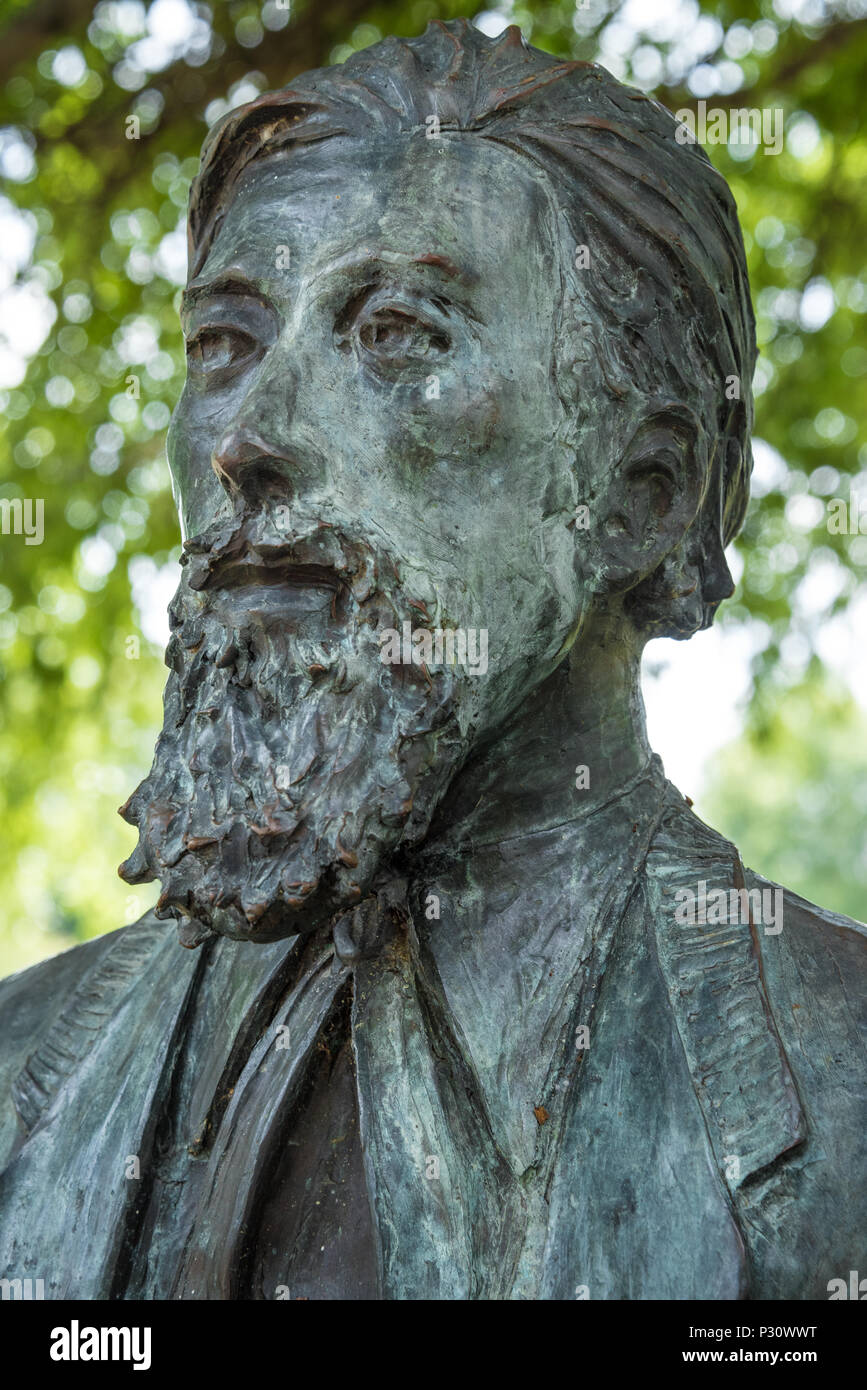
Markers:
<point>651,498</point>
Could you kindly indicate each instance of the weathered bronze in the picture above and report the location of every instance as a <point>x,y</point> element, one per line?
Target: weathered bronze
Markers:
<point>476,1006</point>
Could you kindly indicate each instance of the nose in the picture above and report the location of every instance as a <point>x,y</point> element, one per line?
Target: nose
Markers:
<point>244,462</point>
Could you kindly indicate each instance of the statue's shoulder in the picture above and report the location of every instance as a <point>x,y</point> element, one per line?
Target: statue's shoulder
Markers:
<point>768,994</point>
<point>684,836</point>
<point>30,999</point>
<point>60,996</point>
<point>816,968</point>
<point>814,960</point>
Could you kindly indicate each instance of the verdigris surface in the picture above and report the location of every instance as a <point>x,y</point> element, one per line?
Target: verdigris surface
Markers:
<point>474,1005</point>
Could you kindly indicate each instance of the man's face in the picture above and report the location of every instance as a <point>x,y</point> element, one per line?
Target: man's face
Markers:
<point>394,358</point>
<point>369,433</point>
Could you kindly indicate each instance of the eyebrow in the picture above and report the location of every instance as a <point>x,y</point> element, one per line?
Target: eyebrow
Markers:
<point>235,281</point>
<point>448,267</point>
<point>230,282</point>
<point>434,259</point>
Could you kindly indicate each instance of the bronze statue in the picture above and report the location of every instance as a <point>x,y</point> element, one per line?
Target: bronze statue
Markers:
<point>474,1005</point>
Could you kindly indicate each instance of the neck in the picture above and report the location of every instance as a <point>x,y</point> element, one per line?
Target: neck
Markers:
<point>574,743</point>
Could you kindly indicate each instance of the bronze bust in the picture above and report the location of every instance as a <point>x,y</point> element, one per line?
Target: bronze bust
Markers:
<point>474,1005</point>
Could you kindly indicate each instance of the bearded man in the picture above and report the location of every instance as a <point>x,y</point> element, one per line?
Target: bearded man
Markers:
<point>474,1006</point>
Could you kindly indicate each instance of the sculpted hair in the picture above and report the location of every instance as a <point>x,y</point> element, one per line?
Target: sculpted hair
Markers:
<point>666,275</point>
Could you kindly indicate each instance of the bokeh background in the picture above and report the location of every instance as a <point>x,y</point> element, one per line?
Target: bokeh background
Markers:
<point>761,721</point>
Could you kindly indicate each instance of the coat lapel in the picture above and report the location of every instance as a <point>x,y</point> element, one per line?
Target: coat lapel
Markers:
<point>255,1120</point>
<point>449,1211</point>
<point>636,1208</point>
<point>713,975</point>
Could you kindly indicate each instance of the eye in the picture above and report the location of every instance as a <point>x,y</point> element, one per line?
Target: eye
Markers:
<point>215,349</point>
<point>384,330</point>
<point>395,335</point>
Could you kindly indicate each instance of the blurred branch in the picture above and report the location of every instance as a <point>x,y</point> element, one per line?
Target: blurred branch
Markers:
<point>813,51</point>
<point>26,34</point>
<point>186,91</point>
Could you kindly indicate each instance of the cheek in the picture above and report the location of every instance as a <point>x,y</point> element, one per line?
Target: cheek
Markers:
<point>458,417</point>
<point>441,419</point>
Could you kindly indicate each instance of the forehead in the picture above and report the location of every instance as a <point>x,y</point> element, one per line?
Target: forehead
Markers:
<point>470,206</point>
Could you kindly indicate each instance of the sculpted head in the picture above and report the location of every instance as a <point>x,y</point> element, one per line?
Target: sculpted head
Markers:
<point>470,347</point>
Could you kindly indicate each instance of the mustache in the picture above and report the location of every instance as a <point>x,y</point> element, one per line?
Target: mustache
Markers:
<point>267,548</point>
<point>247,575</point>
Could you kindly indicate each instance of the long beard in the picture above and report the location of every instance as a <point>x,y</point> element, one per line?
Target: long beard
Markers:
<point>292,762</point>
